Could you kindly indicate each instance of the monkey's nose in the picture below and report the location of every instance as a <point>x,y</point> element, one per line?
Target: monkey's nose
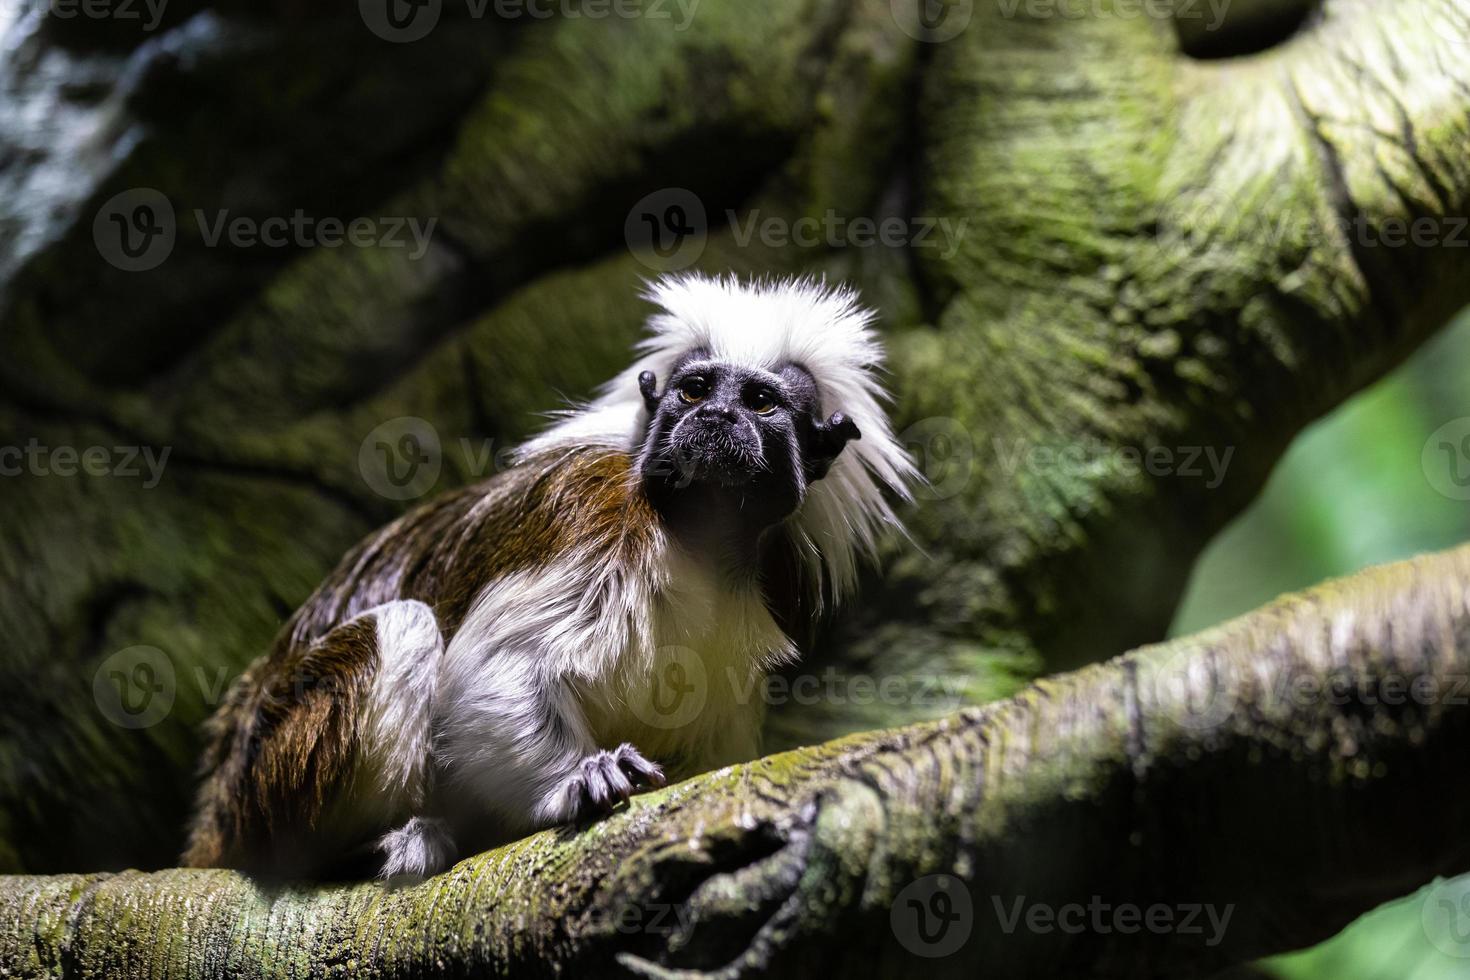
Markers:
<point>717,413</point>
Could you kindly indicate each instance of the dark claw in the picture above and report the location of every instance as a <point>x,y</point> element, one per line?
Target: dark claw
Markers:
<point>646,382</point>
<point>643,773</point>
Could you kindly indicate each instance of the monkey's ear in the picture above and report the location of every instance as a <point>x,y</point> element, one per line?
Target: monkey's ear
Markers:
<point>646,382</point>
<point>825,444</point>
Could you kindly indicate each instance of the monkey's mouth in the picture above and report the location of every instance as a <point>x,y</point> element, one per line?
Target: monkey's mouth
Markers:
<point>722,454</point>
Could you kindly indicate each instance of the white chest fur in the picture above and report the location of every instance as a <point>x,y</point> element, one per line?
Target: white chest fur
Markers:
<point>692,695</point>
<point>585,654</point>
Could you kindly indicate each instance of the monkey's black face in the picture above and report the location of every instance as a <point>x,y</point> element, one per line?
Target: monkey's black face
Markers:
<point>722,434</point>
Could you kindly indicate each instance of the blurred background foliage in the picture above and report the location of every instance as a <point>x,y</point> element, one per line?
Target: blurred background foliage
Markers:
<point>1351,492</point>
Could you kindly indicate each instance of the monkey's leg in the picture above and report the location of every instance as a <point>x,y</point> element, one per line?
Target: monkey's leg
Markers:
<point>396,739</point>
<point>421,847</point>
<point>322,747</point>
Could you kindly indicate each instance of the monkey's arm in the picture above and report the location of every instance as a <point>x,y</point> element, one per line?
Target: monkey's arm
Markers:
<point>516,749</point>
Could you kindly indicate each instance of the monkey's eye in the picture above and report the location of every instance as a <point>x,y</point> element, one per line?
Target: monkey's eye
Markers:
<point>762,401</point>
<point>693,390</point>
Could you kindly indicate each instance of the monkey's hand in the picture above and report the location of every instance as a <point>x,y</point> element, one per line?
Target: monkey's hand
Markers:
<point>604,780</point>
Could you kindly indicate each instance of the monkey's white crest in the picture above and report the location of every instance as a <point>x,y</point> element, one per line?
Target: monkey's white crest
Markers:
<point>764,324</point>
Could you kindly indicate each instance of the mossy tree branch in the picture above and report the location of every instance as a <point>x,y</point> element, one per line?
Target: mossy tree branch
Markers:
<point>1322,735</point>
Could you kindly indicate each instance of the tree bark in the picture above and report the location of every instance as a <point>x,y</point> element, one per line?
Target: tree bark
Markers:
<point>1323,736</point>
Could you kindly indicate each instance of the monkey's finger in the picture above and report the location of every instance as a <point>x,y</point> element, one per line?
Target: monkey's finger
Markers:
<point>618,785</point>
<point>643,773</point>
<point>594,797</point>
<point>606,784</point>
<point>647,775</point>
<point>647,384</point>
<point>575,799</point>
<point>843,426</point>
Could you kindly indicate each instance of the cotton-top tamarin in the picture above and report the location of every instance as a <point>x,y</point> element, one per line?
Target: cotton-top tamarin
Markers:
<point>491,662</point>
